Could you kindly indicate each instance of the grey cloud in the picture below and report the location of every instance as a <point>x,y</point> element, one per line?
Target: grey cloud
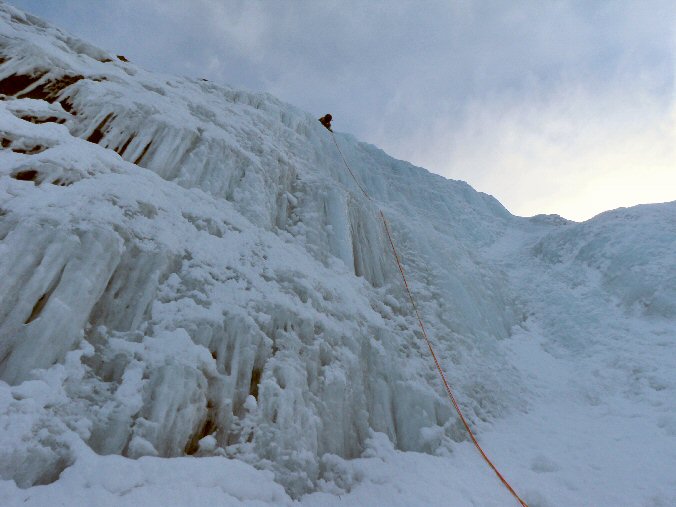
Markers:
<point>409,57</point>
<point>409,75</point>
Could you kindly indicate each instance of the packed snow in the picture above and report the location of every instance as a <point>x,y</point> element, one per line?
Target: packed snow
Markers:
<point>199,307</point>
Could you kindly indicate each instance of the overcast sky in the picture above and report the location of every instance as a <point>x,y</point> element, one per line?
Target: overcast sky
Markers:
<point>551,106</point>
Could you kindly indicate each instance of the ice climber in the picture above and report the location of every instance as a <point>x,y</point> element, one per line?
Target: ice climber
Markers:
<point>326,121</point>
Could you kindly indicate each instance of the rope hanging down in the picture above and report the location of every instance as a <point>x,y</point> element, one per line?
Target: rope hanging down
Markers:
<point>447,386</point>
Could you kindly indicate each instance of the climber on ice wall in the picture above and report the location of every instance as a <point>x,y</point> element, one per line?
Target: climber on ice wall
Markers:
<point>326,121</point>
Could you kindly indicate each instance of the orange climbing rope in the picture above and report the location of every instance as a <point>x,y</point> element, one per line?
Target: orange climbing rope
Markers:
<point>447,386</point>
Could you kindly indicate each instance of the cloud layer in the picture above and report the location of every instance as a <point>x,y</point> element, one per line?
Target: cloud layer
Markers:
<point>559,107</point>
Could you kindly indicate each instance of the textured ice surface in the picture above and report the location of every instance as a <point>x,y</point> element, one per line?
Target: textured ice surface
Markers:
<point>186,269</point>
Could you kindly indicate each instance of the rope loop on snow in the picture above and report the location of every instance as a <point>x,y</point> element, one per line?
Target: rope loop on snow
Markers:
<point>440,370</point>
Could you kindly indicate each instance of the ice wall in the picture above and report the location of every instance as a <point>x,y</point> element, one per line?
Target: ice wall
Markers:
<point>215,271</point>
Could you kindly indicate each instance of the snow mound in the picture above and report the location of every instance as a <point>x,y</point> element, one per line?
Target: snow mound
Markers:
<point>631,251</point>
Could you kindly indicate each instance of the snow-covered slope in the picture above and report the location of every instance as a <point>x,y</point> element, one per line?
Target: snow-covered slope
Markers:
<point>186,269</point>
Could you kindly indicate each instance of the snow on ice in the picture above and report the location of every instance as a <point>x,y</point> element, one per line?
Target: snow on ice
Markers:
<point>198,307</point>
